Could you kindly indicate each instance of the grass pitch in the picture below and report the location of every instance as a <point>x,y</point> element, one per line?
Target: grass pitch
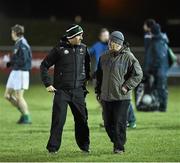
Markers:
<point>157,137</point>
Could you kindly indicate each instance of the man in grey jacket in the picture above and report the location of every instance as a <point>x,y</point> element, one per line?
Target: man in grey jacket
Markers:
<point>117,74</point>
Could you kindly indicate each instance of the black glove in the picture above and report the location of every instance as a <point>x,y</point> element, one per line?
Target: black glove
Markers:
<point>8,64</point>
<point>85,91</point>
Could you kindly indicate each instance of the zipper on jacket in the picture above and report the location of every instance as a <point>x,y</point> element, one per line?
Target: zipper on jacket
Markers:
<point>109,76</point>
<point>75,69</point>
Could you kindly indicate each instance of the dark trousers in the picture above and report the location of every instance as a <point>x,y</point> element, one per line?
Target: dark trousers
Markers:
<point>160,85</point>
<point>115,117</point>
<point>130,115</point>
<point>76,100</point>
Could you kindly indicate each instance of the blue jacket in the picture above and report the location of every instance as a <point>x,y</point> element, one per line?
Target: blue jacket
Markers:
<point>157,56</point>
<point>22,55</point>
<point>97,50</point>
<point>147,43</point>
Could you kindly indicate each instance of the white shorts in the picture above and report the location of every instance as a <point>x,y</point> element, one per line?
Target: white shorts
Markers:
<point>18,80</point>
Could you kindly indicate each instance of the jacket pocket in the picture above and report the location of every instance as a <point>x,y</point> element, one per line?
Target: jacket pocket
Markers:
<point>116,90</point>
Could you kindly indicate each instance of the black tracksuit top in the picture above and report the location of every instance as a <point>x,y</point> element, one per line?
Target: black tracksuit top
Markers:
<point>71,66</point>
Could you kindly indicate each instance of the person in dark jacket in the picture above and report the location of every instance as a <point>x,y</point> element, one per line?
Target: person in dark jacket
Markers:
<point>18,80</point>
<point>71,71</point>
<point>158,64</point>
<point>148,24</point>
<point>98,49</point>
<point>117,74</point>
<point>147,38</point>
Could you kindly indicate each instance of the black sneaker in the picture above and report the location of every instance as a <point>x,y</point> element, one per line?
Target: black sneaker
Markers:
<point>86,150</point>
<point>117,151</point>
<point>53,152</point>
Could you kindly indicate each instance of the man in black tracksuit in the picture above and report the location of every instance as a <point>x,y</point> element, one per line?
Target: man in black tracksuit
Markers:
<point>71,71</point>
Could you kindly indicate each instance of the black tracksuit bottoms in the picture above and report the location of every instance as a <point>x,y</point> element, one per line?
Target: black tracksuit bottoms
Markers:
<point>115,119</point>
<point>76,100</point>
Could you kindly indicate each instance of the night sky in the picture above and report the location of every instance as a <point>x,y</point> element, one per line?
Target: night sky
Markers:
<point>88,8</point>
<point>129,13</point>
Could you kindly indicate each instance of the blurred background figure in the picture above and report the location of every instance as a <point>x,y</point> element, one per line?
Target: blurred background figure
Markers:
<point>158,65</point>
<point>145,86</point>
<point>78,19</point>
<point>99,47</point>
<point>152,93</point>
<point>18,80</point>
<point>148,25</point>
<point>147,38</point>
<point>131,118</point>
<point>96,51</point>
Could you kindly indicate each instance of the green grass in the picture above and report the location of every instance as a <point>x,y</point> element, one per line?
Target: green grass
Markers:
<point>157,137</point>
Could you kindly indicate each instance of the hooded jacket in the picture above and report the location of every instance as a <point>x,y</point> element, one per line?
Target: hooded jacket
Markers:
<point>157,54</point>
<point>116,71</point>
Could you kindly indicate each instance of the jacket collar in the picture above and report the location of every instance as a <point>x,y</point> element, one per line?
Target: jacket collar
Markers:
<point>120,52</point>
